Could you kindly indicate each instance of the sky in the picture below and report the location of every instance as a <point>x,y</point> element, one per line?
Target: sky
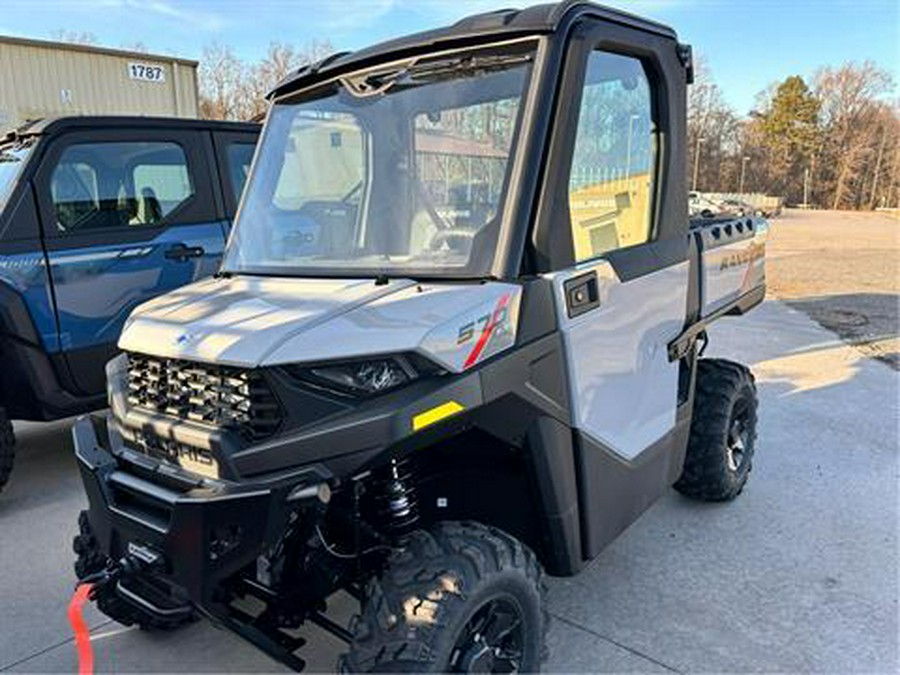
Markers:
<point>747,44</point>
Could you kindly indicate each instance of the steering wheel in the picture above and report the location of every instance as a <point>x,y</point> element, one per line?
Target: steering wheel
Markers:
<point>457,239</point>
<point>351,193</point>
<point>439,222</point>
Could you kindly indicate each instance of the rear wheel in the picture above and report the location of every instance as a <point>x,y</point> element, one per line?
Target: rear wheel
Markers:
<point>91,560</point>
<point>723,432</point>
<point>7,447</point>
<point>460,598</point>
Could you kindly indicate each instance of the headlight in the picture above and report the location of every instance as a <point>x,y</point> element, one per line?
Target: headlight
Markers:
<point>361,378</point>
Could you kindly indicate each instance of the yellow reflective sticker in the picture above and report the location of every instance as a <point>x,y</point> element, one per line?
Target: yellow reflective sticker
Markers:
<point>429,417</point>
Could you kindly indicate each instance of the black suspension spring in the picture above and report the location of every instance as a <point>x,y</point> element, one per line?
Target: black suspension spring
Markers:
<point>396,498</point>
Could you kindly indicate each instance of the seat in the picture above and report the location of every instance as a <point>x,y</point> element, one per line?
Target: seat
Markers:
<point>149,211</point>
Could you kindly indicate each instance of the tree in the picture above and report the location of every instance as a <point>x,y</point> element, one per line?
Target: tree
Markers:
<point>713,132</point>
<point>221,76</point>
<point>787,130</point>
<point>852,116</point>
<point>137,46</point>
<point>232,89</point>
<point>74,37</point>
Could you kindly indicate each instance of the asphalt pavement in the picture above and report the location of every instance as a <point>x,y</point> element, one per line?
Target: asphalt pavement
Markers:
<point>800,574</point>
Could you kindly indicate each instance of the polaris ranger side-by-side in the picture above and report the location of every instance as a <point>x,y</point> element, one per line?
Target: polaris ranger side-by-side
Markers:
<point>97,215</point>
<point>454,342</point>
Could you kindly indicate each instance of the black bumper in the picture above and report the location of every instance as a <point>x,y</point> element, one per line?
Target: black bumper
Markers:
<point>205,531</point>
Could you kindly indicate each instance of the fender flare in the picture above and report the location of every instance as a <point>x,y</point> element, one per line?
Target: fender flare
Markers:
<point>15,319</point>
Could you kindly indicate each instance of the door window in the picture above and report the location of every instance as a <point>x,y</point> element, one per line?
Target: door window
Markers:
<point>109,185</point>
<point>614,160</point>
<point>239,157</point>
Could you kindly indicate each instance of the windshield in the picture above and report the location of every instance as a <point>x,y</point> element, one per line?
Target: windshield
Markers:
<point>12,159</point>
<point>398,172</point>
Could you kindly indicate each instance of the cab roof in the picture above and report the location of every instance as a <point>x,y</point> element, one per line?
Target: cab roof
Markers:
<point>502,24</point>
<point>53,125</point>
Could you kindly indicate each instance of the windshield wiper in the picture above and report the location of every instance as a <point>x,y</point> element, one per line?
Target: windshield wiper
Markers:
<point>412,73</point>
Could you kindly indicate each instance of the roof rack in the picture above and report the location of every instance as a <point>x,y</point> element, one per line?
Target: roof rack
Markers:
<point>502,23</point>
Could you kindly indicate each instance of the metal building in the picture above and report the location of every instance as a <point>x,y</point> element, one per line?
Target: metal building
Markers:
<point>43,79</point>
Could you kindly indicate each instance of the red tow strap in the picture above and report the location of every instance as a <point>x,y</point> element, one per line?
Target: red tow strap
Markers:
<point>80,628</point>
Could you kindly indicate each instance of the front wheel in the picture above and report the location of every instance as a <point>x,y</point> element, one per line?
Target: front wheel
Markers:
<point>459,598</point>
<point>7,447</point>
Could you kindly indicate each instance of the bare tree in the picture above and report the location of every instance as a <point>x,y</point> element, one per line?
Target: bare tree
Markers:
<point>74,36</point>
<point>883,181</point>
<point>851,112</point>
<point>232,89</point>
<point>713,133</point>
<point>222,78</point>
<point>279,62</point>
<point>135,47</point>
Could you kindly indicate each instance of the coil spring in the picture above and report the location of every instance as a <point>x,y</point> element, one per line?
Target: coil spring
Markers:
<point>397,502</point>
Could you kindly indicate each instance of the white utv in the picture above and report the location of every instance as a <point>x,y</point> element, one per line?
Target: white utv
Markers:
<point>454,343</point>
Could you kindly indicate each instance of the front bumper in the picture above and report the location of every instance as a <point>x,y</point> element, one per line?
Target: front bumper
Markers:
<point>204,531</point>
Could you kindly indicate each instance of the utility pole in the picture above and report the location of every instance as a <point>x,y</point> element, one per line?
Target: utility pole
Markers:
<point>806,188</point>
<point>631,121</point>
<point>700,141</point>
<point>877,167</point>
<point>893,185</point>
<point>743,170</point>
<point>812,174</point>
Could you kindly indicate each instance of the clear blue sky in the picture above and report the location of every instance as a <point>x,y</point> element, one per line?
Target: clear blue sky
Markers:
<point>747,43</point>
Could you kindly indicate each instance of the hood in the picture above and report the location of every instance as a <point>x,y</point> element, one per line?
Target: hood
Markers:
<point>241,320</point>
<point>252,321</point>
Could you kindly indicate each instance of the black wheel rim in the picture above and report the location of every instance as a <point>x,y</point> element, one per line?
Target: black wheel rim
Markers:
<point>738,441</point>
<point>491,641</point>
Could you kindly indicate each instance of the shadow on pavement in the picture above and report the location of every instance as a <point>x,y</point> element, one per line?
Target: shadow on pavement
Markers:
<point>44,470</point>
<point>868,321</point>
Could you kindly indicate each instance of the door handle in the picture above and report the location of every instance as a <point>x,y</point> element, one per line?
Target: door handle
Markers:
<point>181,252</point>
<point>582,294</point>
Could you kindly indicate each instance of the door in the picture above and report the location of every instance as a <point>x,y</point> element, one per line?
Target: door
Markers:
<point>127,215</point>
<point>625,299</point>
<point>621,281</point>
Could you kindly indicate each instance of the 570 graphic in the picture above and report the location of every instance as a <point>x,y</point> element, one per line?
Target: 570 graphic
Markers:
<point>484,327</point>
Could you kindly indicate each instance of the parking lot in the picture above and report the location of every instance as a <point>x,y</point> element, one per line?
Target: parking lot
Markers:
<point>799,574</point>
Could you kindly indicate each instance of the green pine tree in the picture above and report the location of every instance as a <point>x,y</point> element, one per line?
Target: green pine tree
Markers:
<point>790,133</point>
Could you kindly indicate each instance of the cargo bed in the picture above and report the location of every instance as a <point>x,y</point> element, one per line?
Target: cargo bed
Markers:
<point>728,272</point>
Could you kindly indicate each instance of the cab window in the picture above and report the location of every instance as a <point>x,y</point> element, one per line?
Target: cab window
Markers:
<point>239,155</point>
<point>612,176</point>
<point>109,185</point>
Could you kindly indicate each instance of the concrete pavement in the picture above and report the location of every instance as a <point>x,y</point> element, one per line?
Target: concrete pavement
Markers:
<point>798,574</point>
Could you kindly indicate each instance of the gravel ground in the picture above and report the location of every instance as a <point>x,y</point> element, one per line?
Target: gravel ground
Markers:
<point>842,269</point>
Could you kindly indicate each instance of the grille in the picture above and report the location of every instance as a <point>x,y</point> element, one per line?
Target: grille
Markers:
<point>231,398</point>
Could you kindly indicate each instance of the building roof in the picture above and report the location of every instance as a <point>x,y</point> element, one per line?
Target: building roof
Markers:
<point>94,49</point>
<point>438,143</point>
<point>502,24</point>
